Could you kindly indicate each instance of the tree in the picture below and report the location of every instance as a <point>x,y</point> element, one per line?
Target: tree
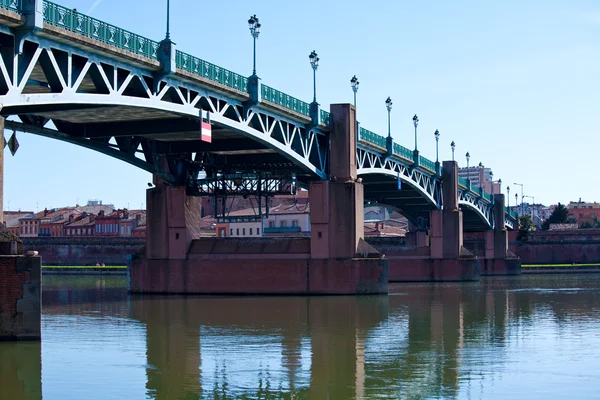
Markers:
<point>560,215</point>
<point>525,226</point>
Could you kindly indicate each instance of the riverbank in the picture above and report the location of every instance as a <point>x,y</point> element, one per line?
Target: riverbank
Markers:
<point>84,270</point>
<point>559,268</point>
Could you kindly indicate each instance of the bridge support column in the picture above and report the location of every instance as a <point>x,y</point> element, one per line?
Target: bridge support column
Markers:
<point>335,260</point>
<point>340,260</point>
<point>439,256</point>
<point>499,260</point>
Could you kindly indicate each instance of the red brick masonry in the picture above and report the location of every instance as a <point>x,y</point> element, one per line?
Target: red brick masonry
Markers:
<point>20,297</point>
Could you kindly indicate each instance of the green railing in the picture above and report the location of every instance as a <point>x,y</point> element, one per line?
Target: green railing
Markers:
<point>425,163</point>
<point>403,152</point>
<point>511,213</point>
<point>12,5</point>
<point>463,182</point>
<point>325,117</point>
<point>487,196</point>
<point>210,71</point>
<point>372,137</point>
<point>92,28</point>
<point>284,100</point>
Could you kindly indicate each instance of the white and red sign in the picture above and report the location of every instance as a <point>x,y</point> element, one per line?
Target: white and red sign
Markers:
<point>205,131</point>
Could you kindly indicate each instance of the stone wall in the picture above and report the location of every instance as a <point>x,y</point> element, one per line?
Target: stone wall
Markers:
<point>20,297</point>
<point>84,251</point>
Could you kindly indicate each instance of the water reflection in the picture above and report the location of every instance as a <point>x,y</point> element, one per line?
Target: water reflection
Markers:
<point>498,338</point>
<point>252,347</point>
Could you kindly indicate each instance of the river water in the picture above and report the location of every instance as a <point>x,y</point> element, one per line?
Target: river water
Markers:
<point>535,337</point>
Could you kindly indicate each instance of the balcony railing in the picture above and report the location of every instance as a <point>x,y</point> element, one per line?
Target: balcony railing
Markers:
<point>12,5</point>
<point>425,163</point>
<point>403,152</point>
<point>210,71</point>
<point>73,21</point>
<point>284,100</point>
<point>325,117</point>
<point>372,138</point>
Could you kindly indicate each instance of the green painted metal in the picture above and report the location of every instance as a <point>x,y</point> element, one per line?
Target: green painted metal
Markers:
<point>427,164</point>
<point>403,152</point>
<point>93,28</point>
<point>371,137</point>
<point>291,103</point>
<point>210,71</point>
<point>486,196</point>
<point>12,5</point>
<point>463,182</point>
<point>325,117</point>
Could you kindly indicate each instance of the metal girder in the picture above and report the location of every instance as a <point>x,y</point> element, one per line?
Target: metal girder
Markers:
<point>429,186</point>
<point>245,184</point>
<point>88,95</point>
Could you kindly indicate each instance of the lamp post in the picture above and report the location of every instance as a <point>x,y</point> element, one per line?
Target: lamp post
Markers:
<point>437,160</point>
<point>388,105</point>
<point>468,170</point>
<point>481,177</point>
<point>508,197</point>
<point>314,62</point>
<point>389,142</point>
<point>354,83</point>
<point>519,184</point>
<point>168,35</point>
<point>453,147</point>
<point>415,124</point>
<point>254,26</point>
<point>532,205</point>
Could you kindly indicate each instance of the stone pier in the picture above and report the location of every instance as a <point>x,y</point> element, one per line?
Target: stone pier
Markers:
<point>334,260</point>
<point>499,260</point>
<point>437,255</point>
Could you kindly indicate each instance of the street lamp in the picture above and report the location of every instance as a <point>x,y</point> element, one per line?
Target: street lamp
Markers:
<point>532,205</point>
<point>453,147</point>
<point>508,197</point>
<point>354,83</point>
<point>437,160</point>
<point>314,62</point>
<point>519,184</point>
<point>481,177</point>
<point>468,170</point>
<point>388,105</point>
<point>254,26</point>
<point>415,124</point>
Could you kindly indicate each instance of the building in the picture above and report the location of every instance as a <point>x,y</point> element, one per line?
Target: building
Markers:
<point>140,230</point>
<point>83,225</point>
<point>130,221</point>
<point>51,222</point>
<point>584,212</point>
<point>11,220</point>
<point>283,220</point>
<point>476,174</point>
<point>580,205</point>
<point>108,225</point>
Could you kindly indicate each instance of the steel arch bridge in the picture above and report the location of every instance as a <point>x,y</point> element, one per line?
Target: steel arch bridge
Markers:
<point>74,78</point>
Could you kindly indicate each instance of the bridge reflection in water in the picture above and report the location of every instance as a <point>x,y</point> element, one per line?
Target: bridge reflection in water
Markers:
<point>422,341</point>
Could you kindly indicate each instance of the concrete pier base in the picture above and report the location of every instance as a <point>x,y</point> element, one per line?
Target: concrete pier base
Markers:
<point>257,274</point>
<point>20,297</point>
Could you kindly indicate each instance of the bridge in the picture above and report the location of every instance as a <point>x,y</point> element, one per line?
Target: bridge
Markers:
<point>71,77</point>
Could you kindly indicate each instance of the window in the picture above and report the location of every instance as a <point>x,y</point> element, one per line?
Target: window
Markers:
<point>243,231</point>
<point>116,228</point>
<point>237,232</point>
<point>271,224</point>
<point>97,228</point>
<point>295,223</point>
<point>283,224</point>
<point>250,231</point>
<point>257,231</point>
<point>129,229</point>
<point>231,232</point>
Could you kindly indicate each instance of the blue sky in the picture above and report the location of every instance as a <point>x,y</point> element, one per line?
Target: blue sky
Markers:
<point>515,83</point>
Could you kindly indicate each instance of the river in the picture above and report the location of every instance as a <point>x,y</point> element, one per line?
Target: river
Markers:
<point>500,338</point>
